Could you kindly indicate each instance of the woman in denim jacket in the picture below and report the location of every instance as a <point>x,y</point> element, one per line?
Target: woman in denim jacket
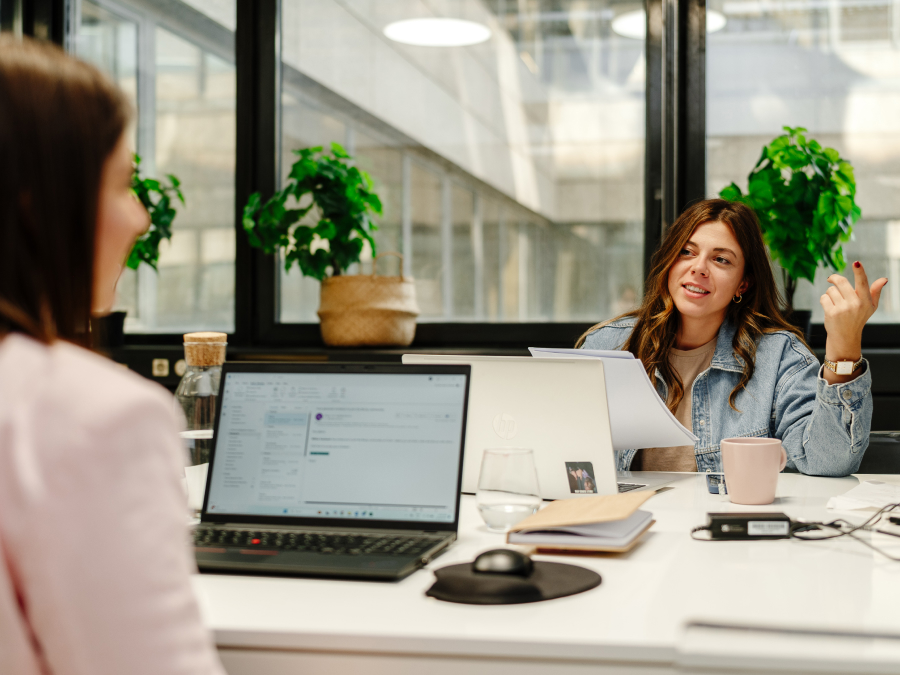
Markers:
<point>711,280</point>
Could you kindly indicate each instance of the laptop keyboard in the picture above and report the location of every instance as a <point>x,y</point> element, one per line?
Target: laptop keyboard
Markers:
<point>628,487</point>
<point>314,542</point>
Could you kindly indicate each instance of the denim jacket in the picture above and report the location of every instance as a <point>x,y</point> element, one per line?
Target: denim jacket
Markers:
<point>823,427</point>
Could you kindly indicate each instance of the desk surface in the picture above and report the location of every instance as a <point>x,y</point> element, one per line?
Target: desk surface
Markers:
<point>639,614</point>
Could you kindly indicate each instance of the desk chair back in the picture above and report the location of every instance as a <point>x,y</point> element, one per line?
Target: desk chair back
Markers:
<point>883,453</point>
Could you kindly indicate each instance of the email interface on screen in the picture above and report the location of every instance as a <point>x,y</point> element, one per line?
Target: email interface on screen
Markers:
<point>374,446</point>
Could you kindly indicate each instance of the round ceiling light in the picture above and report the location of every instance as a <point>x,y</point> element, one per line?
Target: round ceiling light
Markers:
<point>634,24</point>
<point>437,32</point>
<point>715,21</point>
<point>631,24</point>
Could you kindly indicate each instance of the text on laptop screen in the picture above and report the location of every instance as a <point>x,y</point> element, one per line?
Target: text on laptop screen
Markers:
<point>377,446</point>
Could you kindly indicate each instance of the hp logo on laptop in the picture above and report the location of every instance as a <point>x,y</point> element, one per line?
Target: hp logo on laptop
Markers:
<point>505,426</point>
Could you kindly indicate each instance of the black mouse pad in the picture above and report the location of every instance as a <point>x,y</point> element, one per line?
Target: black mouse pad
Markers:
<point>460,583</point>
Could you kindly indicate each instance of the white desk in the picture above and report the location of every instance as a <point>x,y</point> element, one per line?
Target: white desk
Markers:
<point>638,620</point>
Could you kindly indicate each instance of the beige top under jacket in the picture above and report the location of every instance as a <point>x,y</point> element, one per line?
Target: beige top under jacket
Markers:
<point>688,364</point>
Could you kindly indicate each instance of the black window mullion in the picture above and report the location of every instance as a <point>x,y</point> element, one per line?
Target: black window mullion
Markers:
<point>449,335</point>
<point>7,16</point>
<point>255,57</point>
<point>42,19</point>
<point>690,162</point>
<point>653,135</point>
<point>682,81</point>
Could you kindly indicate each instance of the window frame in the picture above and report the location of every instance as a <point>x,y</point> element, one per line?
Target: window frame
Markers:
<point>675,169</point>
<point>267,331</point>
<point>184,23</point>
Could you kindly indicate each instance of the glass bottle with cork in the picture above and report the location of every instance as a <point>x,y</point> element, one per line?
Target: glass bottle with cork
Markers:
<point>198,391</point>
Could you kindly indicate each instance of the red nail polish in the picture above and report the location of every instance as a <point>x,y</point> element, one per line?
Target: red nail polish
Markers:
<point>856,264</point>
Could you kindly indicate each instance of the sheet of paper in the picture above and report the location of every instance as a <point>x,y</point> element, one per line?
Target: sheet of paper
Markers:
<point>638,417</point>
<point>550,352</point>
<point>894,479</point>
<point>871,495</point>
<point>195,478</point>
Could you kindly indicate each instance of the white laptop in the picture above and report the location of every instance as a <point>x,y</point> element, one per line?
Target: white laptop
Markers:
<point>557,407</point>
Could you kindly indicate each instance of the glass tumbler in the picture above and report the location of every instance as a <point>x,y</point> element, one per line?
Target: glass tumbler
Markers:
<point>507,487</point>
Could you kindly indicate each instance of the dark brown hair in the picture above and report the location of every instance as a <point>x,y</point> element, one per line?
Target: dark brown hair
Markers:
<point>759,311</point>
<point>60,119</point>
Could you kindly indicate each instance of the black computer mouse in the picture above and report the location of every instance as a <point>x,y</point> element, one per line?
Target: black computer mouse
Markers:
<point>503,561</point>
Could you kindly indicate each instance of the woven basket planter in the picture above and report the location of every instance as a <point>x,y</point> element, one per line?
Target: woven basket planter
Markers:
<point>366,310</point>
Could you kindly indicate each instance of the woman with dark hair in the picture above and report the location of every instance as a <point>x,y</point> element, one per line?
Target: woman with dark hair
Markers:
<point>94,561</point>
<point>712,337</point>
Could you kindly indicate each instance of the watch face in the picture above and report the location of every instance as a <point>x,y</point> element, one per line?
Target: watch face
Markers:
<point>844,367</point>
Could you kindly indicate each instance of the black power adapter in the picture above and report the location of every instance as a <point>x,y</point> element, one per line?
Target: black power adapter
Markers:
<point>745,526</point>
<point>749,526</point>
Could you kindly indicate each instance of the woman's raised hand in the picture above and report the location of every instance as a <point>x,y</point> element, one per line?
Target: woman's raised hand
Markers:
<point>846,311</point>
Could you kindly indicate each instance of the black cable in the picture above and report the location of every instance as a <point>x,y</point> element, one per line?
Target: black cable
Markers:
<point>701,528</point>
<point>837,525</point>
<point>840,524</point>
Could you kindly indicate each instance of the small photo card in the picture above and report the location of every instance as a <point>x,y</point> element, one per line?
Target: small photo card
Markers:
<point>581,478</point>
<point>715,483</point>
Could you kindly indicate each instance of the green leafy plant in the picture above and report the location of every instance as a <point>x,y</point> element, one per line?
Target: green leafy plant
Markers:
<point>804,197</point>
<point>341,204</point>
<point>157,199</point>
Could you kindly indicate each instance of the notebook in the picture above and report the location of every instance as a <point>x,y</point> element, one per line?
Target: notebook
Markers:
<point>333,470</point>
<point>609,523</point>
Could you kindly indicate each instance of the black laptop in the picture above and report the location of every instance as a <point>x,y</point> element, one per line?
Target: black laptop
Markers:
<point>333,470</point>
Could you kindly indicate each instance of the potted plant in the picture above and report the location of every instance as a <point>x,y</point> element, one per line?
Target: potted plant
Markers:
<point>804,197</point>
<point>157,197</point>
<point>321,220</point>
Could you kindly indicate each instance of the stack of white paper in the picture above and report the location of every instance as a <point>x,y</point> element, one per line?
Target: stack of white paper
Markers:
<point>638,417</point>
<point>870,495</point>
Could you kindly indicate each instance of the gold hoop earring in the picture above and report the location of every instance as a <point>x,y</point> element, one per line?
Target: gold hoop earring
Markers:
<point>737,298</point>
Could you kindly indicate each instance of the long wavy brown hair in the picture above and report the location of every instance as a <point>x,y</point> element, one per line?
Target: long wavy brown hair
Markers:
<point>60,119</point>
<point>759,312</point>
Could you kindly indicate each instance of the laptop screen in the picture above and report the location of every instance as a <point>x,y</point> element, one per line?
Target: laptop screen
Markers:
<point>368,446</point>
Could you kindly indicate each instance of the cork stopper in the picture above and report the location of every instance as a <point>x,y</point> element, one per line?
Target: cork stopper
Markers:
<point>205,349</point>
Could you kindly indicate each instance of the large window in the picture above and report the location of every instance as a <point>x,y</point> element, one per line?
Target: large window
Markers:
<point>177,66</point>
<point>511,171</point>
<point>519,175</point>
<point>834,68</point>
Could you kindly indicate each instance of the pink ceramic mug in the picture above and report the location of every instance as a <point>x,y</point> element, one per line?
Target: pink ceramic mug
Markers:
<point>751,467</point>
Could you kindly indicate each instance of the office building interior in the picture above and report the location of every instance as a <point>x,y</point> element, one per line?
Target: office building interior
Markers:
<point>526,178</point>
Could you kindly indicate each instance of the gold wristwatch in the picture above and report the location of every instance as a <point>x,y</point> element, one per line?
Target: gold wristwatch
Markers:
<point>843,367</point>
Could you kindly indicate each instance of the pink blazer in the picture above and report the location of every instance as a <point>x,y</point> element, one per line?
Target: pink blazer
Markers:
<point>94,559</point>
